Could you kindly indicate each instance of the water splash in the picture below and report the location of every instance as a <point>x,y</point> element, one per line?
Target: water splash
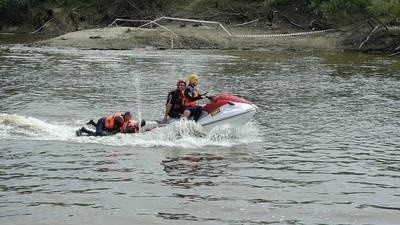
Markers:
<point>139,99</point>
<point>186,134</point>
<point>15,126</point>
<point>225,134</point>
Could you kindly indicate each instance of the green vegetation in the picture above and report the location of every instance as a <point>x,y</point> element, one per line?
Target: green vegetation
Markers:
<point>13,10</point>
<point>388,10</point>
<point>244,9</point>
<point>7,4</point>
<point>36,12</point>
<point>332,7</point>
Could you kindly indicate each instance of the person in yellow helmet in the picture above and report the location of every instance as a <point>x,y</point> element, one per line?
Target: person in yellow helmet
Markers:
<point>191,97</point>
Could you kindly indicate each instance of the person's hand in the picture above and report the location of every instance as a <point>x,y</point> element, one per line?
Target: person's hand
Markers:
<point>204,94</point>
<point>164,119</point>
<point>210,97</point>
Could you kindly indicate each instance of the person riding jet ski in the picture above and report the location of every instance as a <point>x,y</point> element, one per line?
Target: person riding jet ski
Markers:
<point>191,97</point>
<point>174,105</point>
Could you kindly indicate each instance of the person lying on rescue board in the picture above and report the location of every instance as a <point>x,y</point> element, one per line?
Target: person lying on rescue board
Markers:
<point>112,124</point>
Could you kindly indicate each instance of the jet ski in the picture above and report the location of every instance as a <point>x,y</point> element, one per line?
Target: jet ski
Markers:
<point>225,109</point>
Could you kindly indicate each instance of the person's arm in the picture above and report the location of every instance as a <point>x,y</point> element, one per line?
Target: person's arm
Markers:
<point>171,99</point>
<point>168,108</point>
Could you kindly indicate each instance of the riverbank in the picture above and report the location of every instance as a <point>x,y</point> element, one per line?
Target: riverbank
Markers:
<point>209,37</point>
<point>244,38</point>
<point>204,37</point>
<point>79,27</point>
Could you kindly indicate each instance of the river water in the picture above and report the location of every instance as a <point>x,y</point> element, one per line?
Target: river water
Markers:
<point>324,147</point>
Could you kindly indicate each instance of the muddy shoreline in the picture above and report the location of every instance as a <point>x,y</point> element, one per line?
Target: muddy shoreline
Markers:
<point>208,37</point>
<point>199,38</point>
<point>83,26</point>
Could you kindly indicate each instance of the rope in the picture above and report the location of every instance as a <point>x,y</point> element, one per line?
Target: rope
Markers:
<point>281,35</point>
<point>226,30</point>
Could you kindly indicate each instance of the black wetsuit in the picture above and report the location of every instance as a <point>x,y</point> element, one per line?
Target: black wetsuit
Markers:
<point>175,99</point>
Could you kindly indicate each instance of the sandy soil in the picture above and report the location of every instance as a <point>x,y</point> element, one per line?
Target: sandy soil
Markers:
<point>203,37</point>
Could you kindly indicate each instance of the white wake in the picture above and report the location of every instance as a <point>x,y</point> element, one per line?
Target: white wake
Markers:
<point>186,134</point>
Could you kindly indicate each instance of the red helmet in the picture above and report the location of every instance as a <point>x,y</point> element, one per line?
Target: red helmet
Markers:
<point>180,81</point>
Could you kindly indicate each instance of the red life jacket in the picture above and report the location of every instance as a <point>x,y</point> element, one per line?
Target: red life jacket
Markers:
<point>129,127</point>
<point>109,121</point>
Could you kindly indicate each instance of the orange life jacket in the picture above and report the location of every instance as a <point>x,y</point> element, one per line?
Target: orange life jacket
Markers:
<point>129,127</point>
<point>109,121</point>
<point>187,103</point>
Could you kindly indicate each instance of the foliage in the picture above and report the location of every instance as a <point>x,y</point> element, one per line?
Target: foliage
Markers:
<point>68,3</point>
<point>243,8</point>
<point>389,9</point>
<point>328,8</point>
<point>7,4</point>
<point>11,11</point>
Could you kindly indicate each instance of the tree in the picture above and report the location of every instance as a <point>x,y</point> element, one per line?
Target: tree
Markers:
<point>389,10</point>
<point>11,11</point>
<point>328,8</point>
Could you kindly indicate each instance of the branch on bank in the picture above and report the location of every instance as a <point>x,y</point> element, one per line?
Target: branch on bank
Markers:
<point>246,23</point>
<point>291,22</point>
<point>396,53</point>
<point>40,28</point>
<point>368,37</point>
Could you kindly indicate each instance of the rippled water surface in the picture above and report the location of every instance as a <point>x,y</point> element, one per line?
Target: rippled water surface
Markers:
<point>324,147</point>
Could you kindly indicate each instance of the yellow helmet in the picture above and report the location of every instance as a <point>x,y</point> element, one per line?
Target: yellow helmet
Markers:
<point>192,78</point>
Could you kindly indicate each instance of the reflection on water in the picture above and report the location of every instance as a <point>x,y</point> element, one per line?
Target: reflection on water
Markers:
<point>193,170</point>
<point>322,149</point>
<point>11,38</point>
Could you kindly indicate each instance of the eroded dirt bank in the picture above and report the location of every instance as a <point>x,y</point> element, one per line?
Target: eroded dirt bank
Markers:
<point>188,38</point>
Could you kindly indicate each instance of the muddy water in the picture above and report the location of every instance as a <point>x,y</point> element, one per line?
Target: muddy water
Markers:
<point>323,149</point>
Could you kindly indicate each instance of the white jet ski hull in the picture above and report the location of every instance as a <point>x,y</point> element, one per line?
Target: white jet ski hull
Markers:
<point>234,115</point>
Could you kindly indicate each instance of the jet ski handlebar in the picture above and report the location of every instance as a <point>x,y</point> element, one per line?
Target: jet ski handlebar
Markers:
<point>209,97</point>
